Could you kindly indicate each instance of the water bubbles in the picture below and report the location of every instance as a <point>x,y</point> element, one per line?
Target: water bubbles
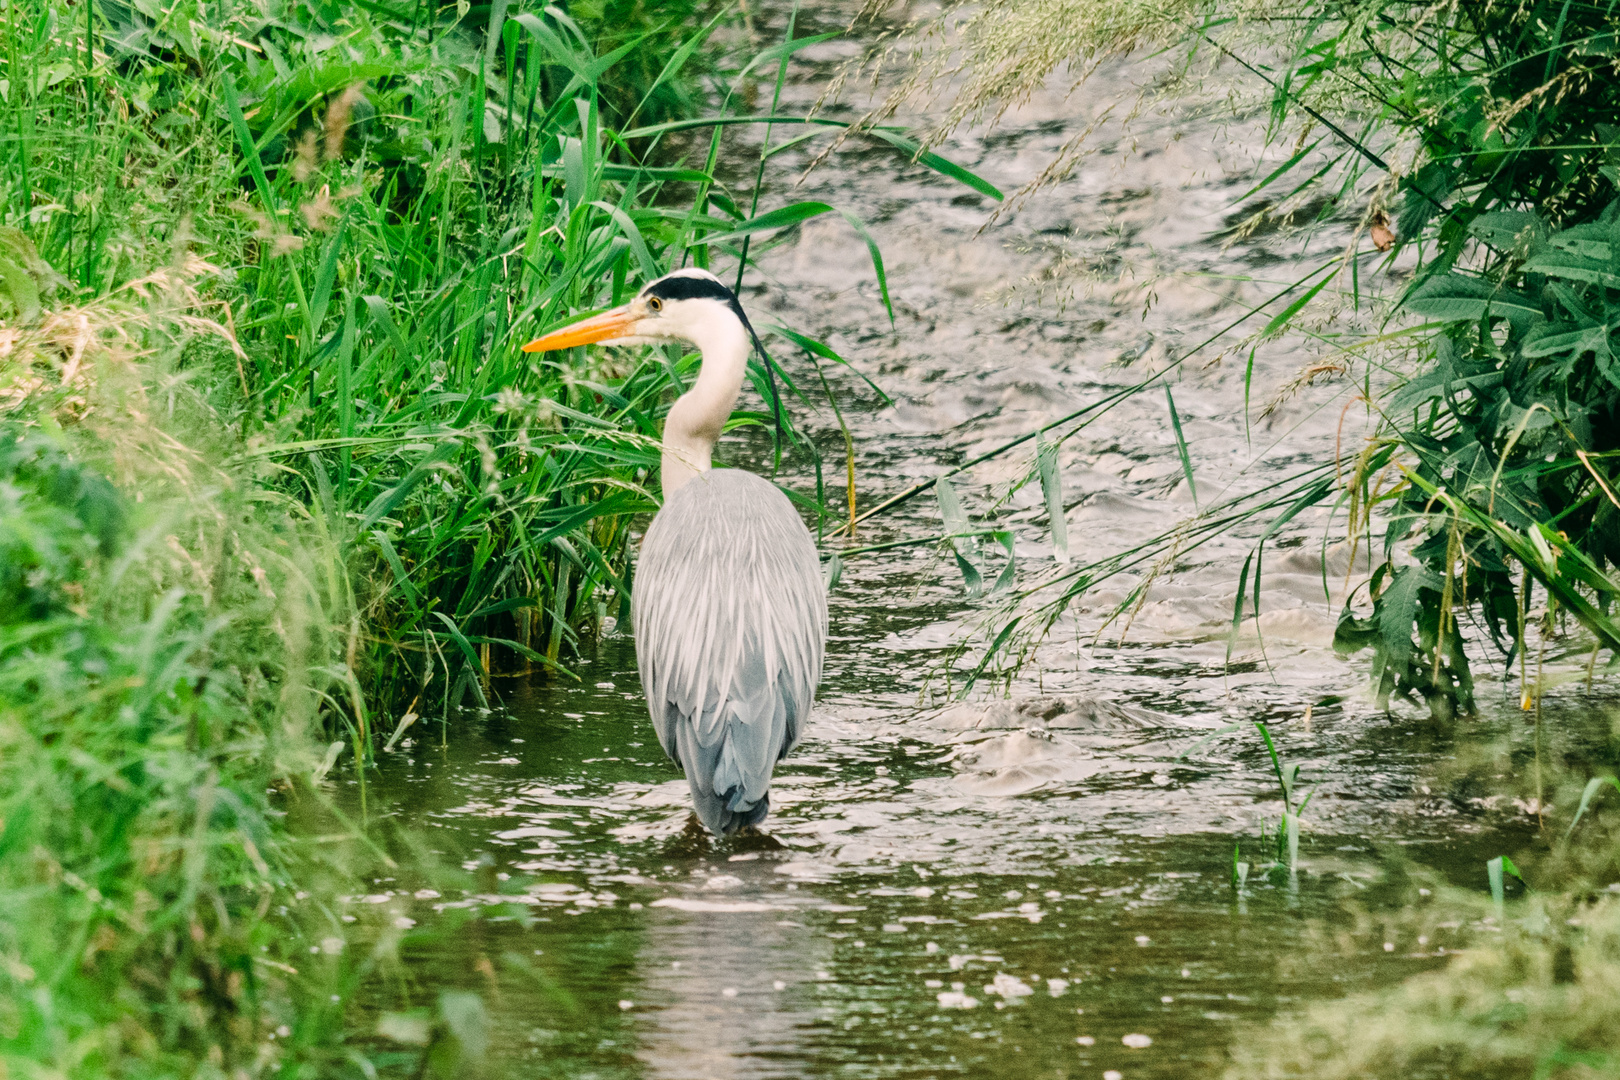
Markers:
<point>1056,987</point>
<point>933,984</point>
<point>1143,939</point>
<point>955,999</point>
<point>1137,1042</point>
<point>1008,987</point>
<point>1167,999</point>
<point>1113,1074</point>
<point>1012,894</point>
<point>1085,1040</point>
<point>729,992</point>
<point>1389,946</point>
<point>1186,973</point>
<point>932,946</point>
<point>895,928</point>
<point>625,1004</point>
<point>778,985</point>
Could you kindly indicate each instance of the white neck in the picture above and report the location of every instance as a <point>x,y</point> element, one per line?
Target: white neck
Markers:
<point>697,417</point>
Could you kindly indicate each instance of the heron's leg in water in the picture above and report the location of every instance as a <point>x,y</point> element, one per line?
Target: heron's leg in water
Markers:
<point>691,841</point>
<point>750,838</point>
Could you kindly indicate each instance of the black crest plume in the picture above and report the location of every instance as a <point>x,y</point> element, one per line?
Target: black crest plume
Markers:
<point>703,288</point>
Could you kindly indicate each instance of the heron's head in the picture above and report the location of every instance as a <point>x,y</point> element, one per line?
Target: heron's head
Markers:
<point>684,306</point>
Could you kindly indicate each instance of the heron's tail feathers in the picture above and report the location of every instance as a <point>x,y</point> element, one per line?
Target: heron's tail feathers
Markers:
<point>717,815</point>
<point>728,764</point>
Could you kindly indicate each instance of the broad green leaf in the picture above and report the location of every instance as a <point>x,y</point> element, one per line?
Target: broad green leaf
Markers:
<point>1572,267</point>
<point>1505,229</point>
<point>1548,340</point>
<point>1455,298</point>
<point>1397,612</point>
<point>1591,241</point>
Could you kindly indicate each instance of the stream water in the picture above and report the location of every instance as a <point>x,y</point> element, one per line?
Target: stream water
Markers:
<point>1035,882</point>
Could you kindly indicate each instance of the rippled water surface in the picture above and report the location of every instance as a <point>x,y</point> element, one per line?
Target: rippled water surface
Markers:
<point>1035,884</point>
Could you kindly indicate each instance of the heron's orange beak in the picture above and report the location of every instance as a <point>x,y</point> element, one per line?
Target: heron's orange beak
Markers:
<point>604,327</point>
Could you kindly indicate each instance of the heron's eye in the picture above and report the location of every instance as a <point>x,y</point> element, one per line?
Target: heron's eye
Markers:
<point>655,303</point>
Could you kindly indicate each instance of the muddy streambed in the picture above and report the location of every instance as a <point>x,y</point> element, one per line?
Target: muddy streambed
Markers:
<point>1035,884</point>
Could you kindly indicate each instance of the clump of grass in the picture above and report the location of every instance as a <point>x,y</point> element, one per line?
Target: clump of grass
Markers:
<point>169,636</point>
<point>1536,999</point>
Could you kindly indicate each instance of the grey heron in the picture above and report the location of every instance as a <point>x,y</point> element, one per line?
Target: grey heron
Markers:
<point>729,609</point>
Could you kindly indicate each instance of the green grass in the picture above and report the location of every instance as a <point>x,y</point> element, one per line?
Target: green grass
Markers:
<point>170,631</point>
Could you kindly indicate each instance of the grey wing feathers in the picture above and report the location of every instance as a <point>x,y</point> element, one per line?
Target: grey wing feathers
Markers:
<point>730,619</point>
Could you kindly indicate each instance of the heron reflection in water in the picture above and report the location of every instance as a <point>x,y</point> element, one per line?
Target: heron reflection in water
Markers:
<point>729,607</point>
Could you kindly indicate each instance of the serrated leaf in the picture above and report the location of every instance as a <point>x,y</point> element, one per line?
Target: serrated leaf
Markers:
<point>1397,612</point>
<point>1572,267</point>
<point>1553,340</point>
<point>1455,298</point>
<point>1586,241</point>
<point>1507,228</point>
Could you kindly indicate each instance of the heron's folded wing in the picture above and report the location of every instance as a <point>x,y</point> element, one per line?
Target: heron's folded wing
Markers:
<point>730,621</point>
